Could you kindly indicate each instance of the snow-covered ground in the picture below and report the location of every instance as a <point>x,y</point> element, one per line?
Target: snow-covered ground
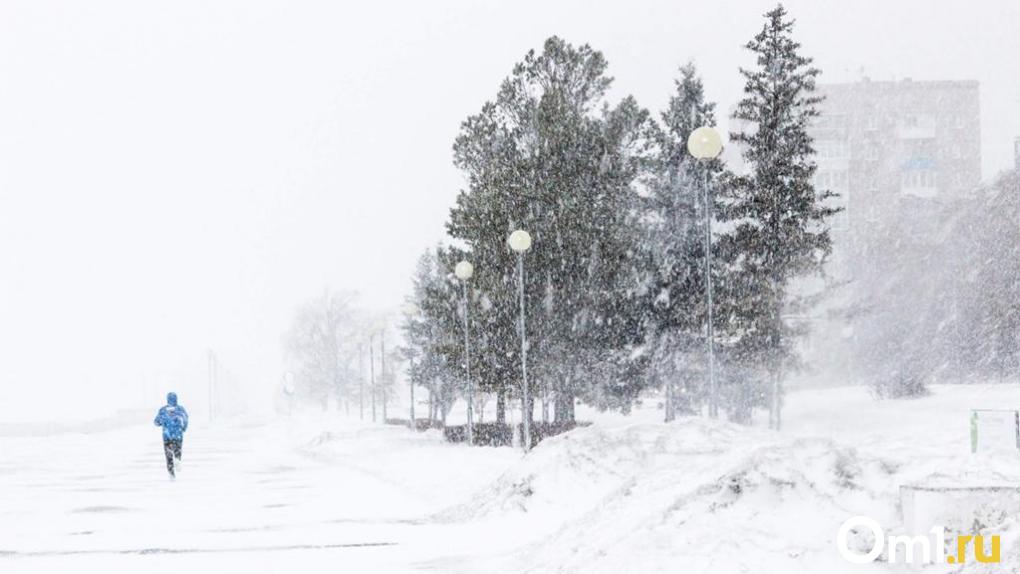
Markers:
<point>706,497</point>
<point>328,494</point>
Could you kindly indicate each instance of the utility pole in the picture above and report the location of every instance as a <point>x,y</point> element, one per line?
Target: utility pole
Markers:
<point>361,380</point>
<point>464,270</point>
<point>411,312</point>
<point>371,368</point>
<point>520,241</point>
<point>410,380</point>
<point>526,410</point>
<point>713,389</point>
<point>382,360</point>
<point>705,144</point>
<point>212,380</point>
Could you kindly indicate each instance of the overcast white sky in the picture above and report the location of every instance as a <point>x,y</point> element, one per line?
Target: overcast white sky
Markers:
<point>176,176</point>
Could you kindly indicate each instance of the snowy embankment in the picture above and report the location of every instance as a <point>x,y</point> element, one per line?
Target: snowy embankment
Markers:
<point>710,496</point>
<point>706,496</point>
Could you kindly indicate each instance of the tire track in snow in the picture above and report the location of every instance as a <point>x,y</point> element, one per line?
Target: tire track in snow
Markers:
<point>148,551</point>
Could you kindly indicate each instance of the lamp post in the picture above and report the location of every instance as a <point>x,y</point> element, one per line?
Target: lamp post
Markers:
<point>361,380</point>
<point>464,270</point>
<point>213,371</point>
<point>411,311</point>
<point>288,389</point>
<point>520,241</point>
<point>705,145</point>
<point>371,370</point>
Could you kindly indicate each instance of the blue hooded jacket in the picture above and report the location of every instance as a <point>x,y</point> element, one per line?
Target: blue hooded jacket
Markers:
<point>173,418</point>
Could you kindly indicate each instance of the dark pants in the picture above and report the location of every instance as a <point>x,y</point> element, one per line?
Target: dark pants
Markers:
<point>172,449</point>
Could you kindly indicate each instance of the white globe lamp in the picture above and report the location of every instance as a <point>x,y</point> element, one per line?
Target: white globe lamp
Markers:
<point>519,241</point>
<point>464,270</point>
<point>704,143</point>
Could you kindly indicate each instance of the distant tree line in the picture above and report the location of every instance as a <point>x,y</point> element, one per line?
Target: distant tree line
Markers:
<point>335,350</point>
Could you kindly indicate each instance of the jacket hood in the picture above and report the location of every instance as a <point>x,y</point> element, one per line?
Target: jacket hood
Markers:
<point>171,399</point>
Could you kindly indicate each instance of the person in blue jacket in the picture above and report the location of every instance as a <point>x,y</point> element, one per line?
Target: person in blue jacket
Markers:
<point>174,420</point>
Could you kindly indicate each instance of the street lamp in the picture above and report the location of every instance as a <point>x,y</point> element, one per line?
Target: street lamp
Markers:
<point>411,311</point>
<point>288,389</point>
<point>464,270</point>
<point>705,145</point>
<point>520,241</point>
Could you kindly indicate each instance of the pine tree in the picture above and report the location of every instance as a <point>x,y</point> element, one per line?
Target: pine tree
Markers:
<point>484,215</point>
<point>778,230</point>
<point>994,324</point>
<point>551,156</point>
<point>433,334</point>
<point>906,313</point>
<point>979,322</point>
<point>675,250</point>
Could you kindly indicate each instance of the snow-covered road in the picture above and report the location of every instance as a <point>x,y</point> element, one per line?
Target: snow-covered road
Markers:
<point>268,497</point>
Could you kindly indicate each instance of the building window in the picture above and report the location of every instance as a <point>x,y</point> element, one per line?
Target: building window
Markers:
<point>832,149</point>
<point>918,179</point>
<point>832,180</point>
<point>916,126</point>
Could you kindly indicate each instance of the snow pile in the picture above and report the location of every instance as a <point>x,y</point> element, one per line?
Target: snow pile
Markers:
<point>568,473</point>
<point>706,495</point>
<point>1009,531</point>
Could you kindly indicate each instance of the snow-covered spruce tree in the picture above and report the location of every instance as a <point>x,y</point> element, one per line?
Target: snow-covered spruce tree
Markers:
<point>899,341</point>
<point>995,325</point>
<point>777,229</point>
<point>983,299</point>
<point>674,251</point>
<point>551,156</point>
<point>485,215</point>
<point>433,335</point>
<point>941,304</point>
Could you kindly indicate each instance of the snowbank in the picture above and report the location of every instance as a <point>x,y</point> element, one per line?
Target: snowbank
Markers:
<point>707,496</point>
